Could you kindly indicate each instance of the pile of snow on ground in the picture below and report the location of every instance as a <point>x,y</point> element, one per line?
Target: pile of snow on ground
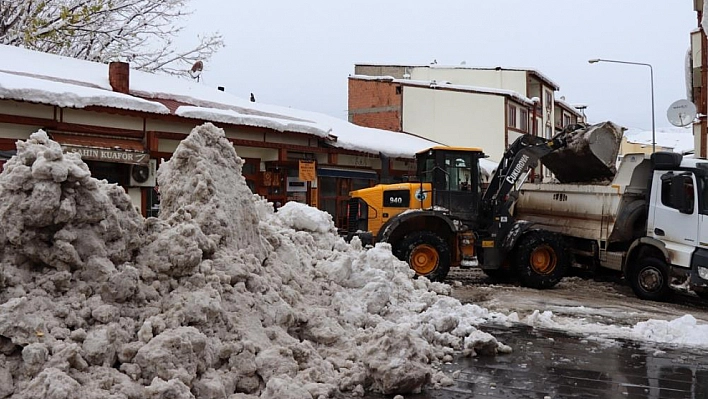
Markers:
<point>218,298</point>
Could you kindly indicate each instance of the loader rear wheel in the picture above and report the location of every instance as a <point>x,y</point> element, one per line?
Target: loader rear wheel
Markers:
<point>649,279</point>
<point>426,253</point>
<point>541,260</point>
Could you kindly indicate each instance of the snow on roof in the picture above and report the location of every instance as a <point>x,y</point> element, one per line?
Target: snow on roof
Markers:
<point>44,91</point>
<point>432,84</point>
<point>568,106</point>
<point>678,139</point>
<point>27,75</point>
<point>533,71</point>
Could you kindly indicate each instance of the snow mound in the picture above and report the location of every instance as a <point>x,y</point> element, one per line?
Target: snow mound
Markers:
<point>54,213</point>
<point>219,297</point>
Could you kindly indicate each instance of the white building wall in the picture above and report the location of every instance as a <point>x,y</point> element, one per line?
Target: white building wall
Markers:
<point>508,80</point>
<point>456,118</point>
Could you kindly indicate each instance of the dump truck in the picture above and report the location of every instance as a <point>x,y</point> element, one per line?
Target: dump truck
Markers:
<point>650,222</point>
<point>446,219</point>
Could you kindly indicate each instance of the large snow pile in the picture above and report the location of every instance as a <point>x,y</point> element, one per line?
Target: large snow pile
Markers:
<point>218,298</point>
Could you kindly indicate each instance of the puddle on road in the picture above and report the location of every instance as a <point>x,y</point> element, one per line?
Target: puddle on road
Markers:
<point>557,365</point>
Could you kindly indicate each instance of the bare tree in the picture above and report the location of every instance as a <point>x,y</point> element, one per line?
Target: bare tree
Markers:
<point>139,31</point>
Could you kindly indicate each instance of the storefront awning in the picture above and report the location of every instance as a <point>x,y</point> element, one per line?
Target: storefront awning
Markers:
<point>347,173</point>
<point>103,149</point>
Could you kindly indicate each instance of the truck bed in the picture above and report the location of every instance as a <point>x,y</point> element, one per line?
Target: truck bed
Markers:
<point>586,210</point>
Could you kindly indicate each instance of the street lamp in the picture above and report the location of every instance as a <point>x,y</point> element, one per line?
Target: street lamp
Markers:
<point>651,72</point>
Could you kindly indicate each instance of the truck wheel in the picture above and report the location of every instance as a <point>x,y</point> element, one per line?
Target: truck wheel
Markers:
<point>649,279</point>
<point>541,260</point>
<point>426,253</point>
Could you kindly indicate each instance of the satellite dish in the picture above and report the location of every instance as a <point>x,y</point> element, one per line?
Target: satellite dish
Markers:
<point>681,113</point>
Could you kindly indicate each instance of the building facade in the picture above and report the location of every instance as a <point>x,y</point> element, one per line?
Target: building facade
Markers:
<point>697,64</point>
<point>124,131</point>
<point>461,106</point>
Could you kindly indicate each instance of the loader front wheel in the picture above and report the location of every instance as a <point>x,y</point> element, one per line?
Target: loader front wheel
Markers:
<point>426,253</point>
<point>541,260</point>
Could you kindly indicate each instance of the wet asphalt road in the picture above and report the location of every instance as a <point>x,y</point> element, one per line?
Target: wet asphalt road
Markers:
<point>551,364</point>
<point>554,364</point>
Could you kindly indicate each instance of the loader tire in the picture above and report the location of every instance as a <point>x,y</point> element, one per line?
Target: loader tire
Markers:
<point>649,279</point>
<point>541,260</point>
<point>426,253</point>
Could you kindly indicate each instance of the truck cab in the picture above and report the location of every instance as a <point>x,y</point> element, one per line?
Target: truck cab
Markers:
<point>678,221</point>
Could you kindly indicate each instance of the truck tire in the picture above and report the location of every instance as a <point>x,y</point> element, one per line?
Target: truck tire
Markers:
<point>426,253</point>
<point>649,279</point>
<point>541,259</point>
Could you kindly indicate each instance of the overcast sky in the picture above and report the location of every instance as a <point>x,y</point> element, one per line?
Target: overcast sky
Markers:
<point>299,53</point>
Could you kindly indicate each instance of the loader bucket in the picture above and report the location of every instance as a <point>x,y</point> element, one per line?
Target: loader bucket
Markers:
<point>590,156</point>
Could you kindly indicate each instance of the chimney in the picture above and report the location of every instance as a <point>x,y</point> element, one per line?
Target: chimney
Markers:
<point>119,76</point>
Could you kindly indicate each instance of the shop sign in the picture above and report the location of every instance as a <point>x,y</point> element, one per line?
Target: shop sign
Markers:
<point>307,170</point>
<point>107,155</point>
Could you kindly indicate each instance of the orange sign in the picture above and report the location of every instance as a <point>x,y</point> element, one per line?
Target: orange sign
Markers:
<point>313,198</point>
<point>307,171</point>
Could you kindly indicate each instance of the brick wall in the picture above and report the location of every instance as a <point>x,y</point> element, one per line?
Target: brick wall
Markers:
<point>380,120</point>
<point>375,104</point>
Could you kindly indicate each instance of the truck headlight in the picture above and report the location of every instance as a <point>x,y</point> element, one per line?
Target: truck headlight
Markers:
<point>703,272</point>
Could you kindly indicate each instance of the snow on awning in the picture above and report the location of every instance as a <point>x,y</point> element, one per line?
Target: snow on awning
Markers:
<point>107,150</point>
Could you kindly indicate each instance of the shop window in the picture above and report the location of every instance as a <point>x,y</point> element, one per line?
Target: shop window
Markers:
<point>117,173</point>
<point>334,196</point>
<point>249,170</point>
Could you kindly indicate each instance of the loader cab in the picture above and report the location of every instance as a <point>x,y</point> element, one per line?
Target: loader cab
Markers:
<point>454,175</point>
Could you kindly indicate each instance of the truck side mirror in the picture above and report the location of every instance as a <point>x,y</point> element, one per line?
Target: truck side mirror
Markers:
<point>682,197</point>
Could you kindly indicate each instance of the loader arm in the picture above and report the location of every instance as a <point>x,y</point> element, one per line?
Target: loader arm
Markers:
<point>523,154</point>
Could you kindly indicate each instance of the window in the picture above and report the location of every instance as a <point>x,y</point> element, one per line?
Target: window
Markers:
<point>549,100</point>
<point>677,191</point>
<point>399,90</point>
<point>703,195</point>
<point>567,120</point>
<point>460,168</point>
<point>511,118</point>
<point>524,120</point>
